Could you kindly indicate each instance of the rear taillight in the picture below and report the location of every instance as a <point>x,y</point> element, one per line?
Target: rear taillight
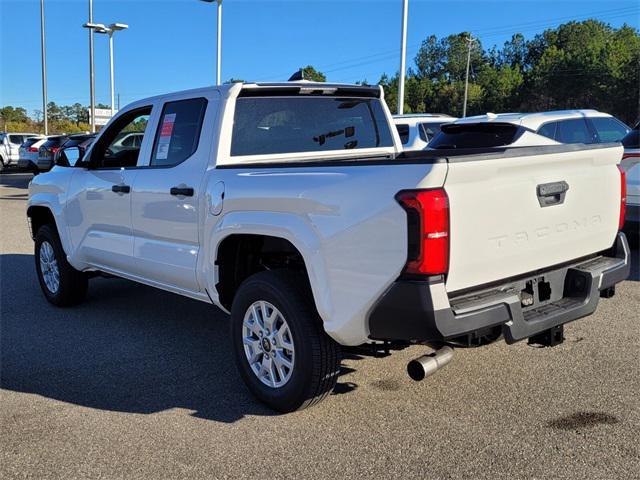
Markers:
<point>428,231</point>
<point>623,197</point>
<point>33,149</point>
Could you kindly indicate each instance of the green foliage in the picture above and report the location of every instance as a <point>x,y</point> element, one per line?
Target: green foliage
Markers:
<point>11,114</point>
<point>312,74</point>
<point>61,119</point>
<point>585,64</point>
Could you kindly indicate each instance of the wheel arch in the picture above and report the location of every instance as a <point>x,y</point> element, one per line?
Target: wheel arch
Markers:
<point>39,215</point>
<point>274,230</point>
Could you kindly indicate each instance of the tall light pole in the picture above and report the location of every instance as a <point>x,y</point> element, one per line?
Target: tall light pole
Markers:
<point>218,38</point>
<point>44,70</point>
<point>101,28</point>
<point>403,54</point>
<point>92,83</point>
<point>470,41</point>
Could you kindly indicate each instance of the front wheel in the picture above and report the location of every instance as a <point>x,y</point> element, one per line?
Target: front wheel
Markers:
<point>61,284</point>
<point>281,349</point>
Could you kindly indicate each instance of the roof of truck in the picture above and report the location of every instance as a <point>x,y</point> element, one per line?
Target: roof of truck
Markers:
<point>532,120</point>
<point>370,90</point>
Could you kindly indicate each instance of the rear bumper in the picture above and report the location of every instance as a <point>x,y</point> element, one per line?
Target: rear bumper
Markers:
<point>26,163</point>
<point>422,311</point>
<point>45,164</point>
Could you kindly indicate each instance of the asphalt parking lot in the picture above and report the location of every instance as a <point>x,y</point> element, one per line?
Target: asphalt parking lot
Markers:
<point>139,383</point>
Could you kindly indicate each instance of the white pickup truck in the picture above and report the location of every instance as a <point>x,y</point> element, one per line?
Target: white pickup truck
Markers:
<point>292,207</point>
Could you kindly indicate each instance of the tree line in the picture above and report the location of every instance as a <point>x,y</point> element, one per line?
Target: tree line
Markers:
<point>61,119</point>
<point>584,64</point>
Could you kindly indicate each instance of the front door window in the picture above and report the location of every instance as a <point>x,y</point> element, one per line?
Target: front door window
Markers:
<point>120,145</point>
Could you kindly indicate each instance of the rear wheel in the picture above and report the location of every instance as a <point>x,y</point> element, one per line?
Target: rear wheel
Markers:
<point>281,349</point>
<point>61,284</point>
<point>2,166</point>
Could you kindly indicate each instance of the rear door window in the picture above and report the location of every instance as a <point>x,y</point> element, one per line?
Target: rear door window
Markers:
<point>609,129</point>
<point>429,130</point>
<point>53,142</point>
<point>548,130</point>
<point>179,131</point>
<point>16,139</point>
<point>280,125</point>
<point>128,141</point>
<point>403,131</point>
<point>574,131</point>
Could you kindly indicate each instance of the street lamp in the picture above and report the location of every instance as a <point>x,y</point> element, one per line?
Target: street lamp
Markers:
<point>101,28</point>
<point>92,83</point>
<point>44,70</point>
<point>218,38</point>
<point>403,54</point>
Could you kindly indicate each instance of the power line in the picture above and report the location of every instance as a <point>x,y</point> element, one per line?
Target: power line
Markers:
<point>488,33</point>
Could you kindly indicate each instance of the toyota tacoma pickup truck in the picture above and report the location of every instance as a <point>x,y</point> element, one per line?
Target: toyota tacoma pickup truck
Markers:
<point>292,207</point>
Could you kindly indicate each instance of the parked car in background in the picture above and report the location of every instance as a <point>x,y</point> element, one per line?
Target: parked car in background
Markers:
<point>28,153</point>
<point>81,141</point>
<point>47,150</point>
<point>631,165</point>
<point>128,141</point>
<point>563,126</point>
<point>416,130</point>
<point>10,146</point>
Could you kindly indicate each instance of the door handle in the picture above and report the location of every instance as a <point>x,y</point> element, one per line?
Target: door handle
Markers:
<point>184,191</point>
<point>552,193</point>
<point>121,188</point>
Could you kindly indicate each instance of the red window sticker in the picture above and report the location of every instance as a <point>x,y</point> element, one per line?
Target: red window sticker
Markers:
<point>164,142</point>
<point>167,125</point>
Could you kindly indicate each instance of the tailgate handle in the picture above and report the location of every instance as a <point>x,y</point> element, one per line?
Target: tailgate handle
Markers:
<point>553,193</point>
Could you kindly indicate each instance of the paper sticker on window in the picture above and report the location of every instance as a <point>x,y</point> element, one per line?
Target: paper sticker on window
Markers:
<point>164,141</point>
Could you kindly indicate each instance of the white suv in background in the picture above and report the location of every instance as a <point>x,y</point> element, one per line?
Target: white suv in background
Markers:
<point>9,145</point>
<point>28,152</point>
<point>416,130</point>
<point>563,126</point>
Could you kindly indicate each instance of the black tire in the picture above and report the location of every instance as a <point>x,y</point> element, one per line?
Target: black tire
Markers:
<point>73,284</point>
<point>317,356</point>
<point>2,165</point>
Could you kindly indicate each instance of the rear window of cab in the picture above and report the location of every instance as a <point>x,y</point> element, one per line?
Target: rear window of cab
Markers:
<point>297,124</point>
<point>474,135</point>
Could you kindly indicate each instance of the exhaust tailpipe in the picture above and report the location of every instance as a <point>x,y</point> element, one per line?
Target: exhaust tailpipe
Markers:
<point>426,365</point>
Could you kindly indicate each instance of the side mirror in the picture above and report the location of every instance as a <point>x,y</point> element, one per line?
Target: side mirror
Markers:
<point>68,157</point>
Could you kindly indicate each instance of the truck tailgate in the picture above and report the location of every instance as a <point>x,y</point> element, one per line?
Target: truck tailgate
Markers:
<point>508,215</point>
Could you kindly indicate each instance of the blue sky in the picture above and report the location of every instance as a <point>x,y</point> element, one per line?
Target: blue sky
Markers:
<point>171,43</point>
